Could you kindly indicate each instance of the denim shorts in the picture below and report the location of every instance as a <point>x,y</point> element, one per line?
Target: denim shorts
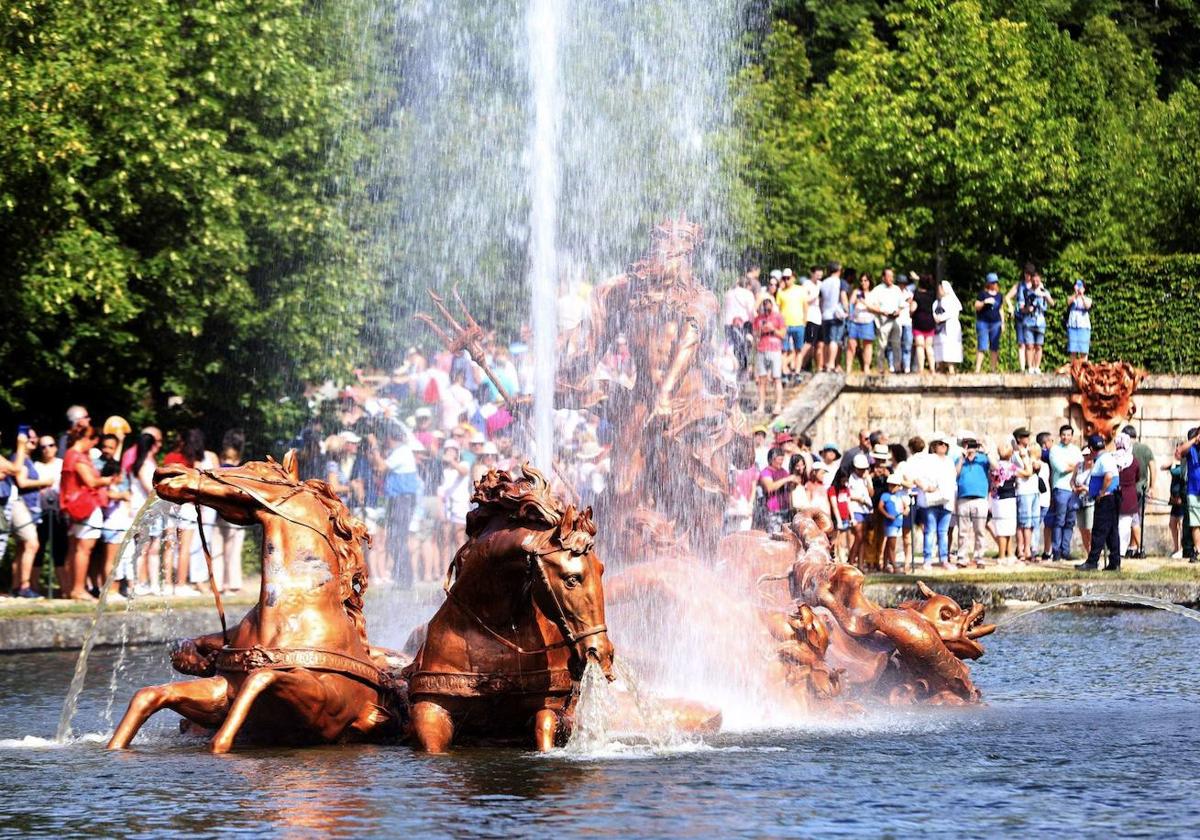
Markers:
<point>833,331</point>
<point>794,339</point>
<point>988,335</point>
<point>1028,510</point>
<point>862,332</point>
<point>1022,336</point>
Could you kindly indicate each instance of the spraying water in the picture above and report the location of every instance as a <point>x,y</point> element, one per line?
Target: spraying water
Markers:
<point>1107,598</point>
<point>138,529</point>
<point>542,27</point>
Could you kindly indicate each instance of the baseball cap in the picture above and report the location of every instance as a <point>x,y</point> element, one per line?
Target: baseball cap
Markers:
<point>991,278</point>
<point>776,273</point>
<point>422,412</point>
<point>1021,432</point>
<point>1095,442</point>
<point>787,272</point>
<point>782,437</point>
<point>861,462</point>
<point>829,447</point>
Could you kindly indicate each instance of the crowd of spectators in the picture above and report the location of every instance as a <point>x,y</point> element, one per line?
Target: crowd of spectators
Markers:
<point>833,319</point>
<point>69,502</point>
<point>943,497</point>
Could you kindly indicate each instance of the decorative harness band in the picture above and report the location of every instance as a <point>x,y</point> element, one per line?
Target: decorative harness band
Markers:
<point>233,660</point>
<point>454,684</point>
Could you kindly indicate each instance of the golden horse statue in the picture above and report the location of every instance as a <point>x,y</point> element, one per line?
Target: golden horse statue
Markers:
<point>297,668</point>
<point>523,615</point>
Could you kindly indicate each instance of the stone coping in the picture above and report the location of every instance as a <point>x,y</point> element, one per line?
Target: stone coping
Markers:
<point>1007,382</point>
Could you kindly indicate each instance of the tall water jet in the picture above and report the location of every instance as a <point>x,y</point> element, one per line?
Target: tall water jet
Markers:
<point>541,30</point>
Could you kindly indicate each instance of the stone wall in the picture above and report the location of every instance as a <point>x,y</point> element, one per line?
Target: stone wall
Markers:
<point>993,405</point>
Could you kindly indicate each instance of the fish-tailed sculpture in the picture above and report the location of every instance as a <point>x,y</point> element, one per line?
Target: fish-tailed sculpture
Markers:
<point>838,642</point>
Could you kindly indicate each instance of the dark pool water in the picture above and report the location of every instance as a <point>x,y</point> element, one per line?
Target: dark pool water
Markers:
<point>1092,728</point>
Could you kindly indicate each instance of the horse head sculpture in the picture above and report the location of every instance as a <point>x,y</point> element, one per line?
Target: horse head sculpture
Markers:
<point>524,614</point>
<point>297,668</point>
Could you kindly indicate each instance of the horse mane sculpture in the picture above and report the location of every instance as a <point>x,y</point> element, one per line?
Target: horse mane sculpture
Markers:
<point>523,615</point>
<point>835,640</point>
<point>298,668</point>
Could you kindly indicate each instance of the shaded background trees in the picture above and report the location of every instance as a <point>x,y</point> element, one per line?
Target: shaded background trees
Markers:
<point>192,194</point>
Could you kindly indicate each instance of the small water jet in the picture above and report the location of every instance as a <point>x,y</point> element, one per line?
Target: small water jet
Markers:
<point>1130,598</point>
<point>137,530</point>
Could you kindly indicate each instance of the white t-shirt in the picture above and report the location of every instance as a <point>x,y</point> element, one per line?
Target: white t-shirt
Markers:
<point>904,319</point>
<point>1063,460</point>
<point>739,303</point>
<point>812,294</point>
<point>401,460</point>
<point>1026,486</point>
<point>887,299</point>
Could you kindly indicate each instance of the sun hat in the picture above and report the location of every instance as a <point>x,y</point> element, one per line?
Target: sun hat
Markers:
<point>489,448</point>
<point>829,447</point>
<point>776,274</point>
<point>117,425</point>
<point>759,430</point>
<point>861,462</point>
<point>894,479</point>
<point>880,452</point>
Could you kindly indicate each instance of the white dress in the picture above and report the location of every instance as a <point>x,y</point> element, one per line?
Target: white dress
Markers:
<point>947,342</point>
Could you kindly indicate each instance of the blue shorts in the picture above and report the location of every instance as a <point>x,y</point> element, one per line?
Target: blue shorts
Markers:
<point>860,517</point>
<point>1079,339</point>
<point>833,331</point>
<point>862,332</point>
<point>988,335</point>
<point>1022,337</point>
<point>1029,509</point>
<point>893,530</point>
<point>794,339</point>
<point>1035,335</point>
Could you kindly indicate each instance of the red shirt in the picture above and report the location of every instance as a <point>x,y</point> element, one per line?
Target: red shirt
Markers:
<point>70,483</point>
<point>767,328</point>
<point>176,457</point>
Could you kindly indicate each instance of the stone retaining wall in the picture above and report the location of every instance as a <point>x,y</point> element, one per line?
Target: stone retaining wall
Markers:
<point>992,405</point>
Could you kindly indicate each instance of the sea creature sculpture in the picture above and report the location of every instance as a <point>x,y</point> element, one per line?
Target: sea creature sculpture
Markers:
<point>912,653</point>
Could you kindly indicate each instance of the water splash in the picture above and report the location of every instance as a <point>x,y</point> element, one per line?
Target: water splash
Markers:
<point>138,529</point>
<point>593,713</point>
<point>1106,598</point>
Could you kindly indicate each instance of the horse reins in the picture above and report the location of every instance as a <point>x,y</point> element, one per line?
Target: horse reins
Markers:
<point>267,503</point>
<point>569,637</point>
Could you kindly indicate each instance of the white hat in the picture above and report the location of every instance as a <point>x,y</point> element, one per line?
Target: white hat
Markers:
<point>895,478</point>
<point>350,437</point>
<point>776,273</point>
<point>477,438</point>
<point>422,412</point>
<point>861,462</point>
<point>591,449</point>
<point>489,448</point>
<point>787,272</point>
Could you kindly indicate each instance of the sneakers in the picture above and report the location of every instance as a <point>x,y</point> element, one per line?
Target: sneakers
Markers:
<point>27,592</point>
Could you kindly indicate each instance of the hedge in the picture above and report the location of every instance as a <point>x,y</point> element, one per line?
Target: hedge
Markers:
<point>1146,310</point>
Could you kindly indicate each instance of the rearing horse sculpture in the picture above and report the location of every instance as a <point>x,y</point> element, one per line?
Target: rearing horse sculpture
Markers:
<point>298,668</point>
<point>524,612</point>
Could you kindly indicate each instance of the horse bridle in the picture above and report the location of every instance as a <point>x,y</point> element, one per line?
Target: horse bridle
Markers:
<point>560,621</point>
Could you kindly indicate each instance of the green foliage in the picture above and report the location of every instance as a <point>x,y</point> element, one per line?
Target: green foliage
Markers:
<point>1146,310</point>
<point>987,133</point>
<point>796,206</point>
<point>165,206</point>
